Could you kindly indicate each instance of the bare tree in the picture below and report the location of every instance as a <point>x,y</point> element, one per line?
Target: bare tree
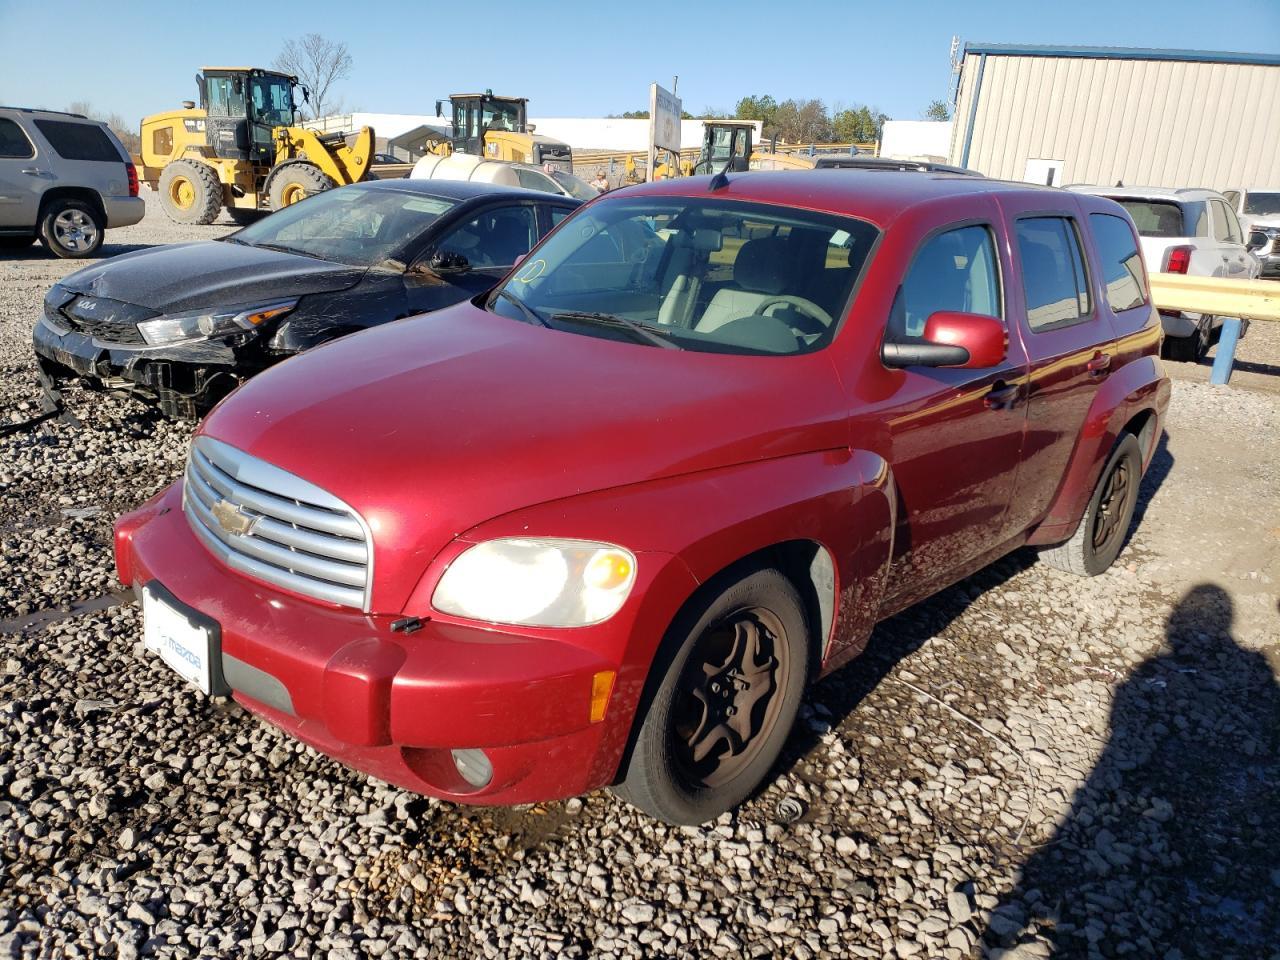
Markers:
<point>318,63</point>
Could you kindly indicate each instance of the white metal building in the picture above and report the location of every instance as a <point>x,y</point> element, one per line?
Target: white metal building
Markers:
<point>1173,118</point>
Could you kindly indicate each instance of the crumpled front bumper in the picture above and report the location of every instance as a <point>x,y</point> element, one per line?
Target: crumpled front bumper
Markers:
<point>185,379</point>
<point>394,705</point>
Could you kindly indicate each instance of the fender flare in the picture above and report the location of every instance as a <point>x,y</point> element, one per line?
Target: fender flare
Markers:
<point>1136,388</point>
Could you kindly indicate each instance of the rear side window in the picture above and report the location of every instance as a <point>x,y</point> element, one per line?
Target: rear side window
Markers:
<point>1123,276</point>
<point>955,270</point>
<point>1053,274</point>
<point>1156,218</point>
<point>13,142</point>
<point>79,141</point>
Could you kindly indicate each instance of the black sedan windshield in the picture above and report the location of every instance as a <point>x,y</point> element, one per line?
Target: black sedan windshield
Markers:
<point>352,225</point>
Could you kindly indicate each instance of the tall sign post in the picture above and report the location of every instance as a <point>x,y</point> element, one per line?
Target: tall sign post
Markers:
<point>664,126</point>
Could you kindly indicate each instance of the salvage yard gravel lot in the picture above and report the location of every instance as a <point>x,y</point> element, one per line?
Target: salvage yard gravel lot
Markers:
<point>1029,764</point>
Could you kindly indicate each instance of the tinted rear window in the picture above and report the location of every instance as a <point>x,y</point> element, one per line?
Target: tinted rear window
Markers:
<point>1156,218</point>
<point>1122,271</point>
<point>79,141</point>
<point>13,142</point>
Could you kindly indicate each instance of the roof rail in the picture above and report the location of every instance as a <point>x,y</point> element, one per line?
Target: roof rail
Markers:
<point>61,113</point>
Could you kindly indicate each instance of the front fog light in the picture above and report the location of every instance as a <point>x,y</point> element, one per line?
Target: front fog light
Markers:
<point>537,582</point>
<point>473,766</point>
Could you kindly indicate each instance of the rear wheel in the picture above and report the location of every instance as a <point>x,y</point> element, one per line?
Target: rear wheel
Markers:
<point>190,192</point>
<point>1106,520</point>
<point>733,669</point>
<point>1193,348</point>
<point>72,228</point>
<point>292,182</point>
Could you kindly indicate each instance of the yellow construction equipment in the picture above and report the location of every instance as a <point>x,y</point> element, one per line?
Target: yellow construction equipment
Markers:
<point>242,149</point>
<point>498,128</point>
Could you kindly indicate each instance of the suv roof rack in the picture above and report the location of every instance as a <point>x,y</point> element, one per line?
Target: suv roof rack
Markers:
<point>61,113</point>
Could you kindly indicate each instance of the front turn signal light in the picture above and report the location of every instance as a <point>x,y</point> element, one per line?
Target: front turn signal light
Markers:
<point>601,690</point>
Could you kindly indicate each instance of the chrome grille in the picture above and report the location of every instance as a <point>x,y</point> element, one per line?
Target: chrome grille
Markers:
<point>275,526</point>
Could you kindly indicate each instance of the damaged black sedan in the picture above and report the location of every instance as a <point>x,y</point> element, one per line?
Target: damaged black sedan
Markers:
<point>183,325</point>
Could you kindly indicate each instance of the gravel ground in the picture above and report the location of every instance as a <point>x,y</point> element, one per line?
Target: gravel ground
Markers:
<point>1029,764</point>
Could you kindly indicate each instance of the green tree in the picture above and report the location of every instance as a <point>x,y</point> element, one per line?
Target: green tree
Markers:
<point>860,124</point>
<point>803,121</point>
<point>937,110</point>
<point>762,108</point>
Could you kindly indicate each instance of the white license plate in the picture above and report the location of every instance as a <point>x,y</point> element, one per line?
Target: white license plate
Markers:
<point>181,644</point>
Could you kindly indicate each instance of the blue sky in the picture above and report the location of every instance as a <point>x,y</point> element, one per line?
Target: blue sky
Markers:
<point>577,59</point>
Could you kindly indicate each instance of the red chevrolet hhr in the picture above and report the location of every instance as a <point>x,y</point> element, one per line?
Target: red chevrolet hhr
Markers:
<point>602,525</point>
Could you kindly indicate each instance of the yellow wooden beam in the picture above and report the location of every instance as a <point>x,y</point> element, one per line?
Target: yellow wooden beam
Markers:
<point>1217,296</point>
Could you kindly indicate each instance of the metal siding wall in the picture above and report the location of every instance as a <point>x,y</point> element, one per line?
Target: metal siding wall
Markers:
<point>1170,123</point>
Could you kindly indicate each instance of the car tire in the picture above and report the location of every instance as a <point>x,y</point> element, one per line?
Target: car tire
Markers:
<point>71,228</point>
<point>291,182</point>
<point>190,192</point>
<point>741,647</point>
<point>1190,349</point>
<point>16,243</point>
<point>1104,527</point>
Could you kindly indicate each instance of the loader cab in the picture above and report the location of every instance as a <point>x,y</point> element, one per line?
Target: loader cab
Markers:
<point>477,114</point>
<point>243,107</point>
<point>725,141</point>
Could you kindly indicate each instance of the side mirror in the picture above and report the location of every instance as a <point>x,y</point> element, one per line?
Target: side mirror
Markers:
<point>519,260</point>
<point>952,339</point>
<point>1257,240</point>
<point>446,264</point>
<point>439,108</point>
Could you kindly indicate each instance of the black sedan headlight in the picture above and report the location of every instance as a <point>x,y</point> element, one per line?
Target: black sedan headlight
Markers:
<point>203,324</point>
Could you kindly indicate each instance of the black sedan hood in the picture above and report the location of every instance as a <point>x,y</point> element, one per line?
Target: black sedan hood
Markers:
<point>208,273</point>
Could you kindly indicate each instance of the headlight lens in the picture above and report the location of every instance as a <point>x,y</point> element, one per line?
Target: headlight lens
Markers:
<point>201,324</point>
<point>543,583</point>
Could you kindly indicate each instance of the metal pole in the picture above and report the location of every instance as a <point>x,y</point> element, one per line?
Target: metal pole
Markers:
<point>1221,374</point>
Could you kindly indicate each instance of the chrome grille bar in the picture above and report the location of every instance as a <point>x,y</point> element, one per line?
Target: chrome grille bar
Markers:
<point>275,526</point>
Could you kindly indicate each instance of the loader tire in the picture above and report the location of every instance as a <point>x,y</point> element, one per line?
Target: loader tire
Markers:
<point>190,192</point>
<point>291,182</point>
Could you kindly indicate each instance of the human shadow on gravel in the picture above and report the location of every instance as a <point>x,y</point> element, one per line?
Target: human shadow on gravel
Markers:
<point>1169,848</point>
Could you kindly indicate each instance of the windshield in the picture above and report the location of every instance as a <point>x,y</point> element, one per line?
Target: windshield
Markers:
<point>1155,218</point>
<point>354,225</point>
<point>711,275</point>
<point>272,99</point>
<point>576,187</point>
<point>1262,204</point>
<point>500,116</point>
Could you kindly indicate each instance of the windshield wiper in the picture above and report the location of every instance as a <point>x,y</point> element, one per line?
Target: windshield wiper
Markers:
<point>530,314</point>
<point>233,240</point>
<point>645,332</point>
<point>281,248</point>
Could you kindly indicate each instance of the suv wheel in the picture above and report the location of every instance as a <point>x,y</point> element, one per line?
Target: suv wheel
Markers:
<point>729,685</point>
<point>1106,520</point>
<point>71,228</point>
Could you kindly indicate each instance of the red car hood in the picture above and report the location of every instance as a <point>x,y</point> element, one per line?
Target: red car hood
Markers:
<point>432,425</point>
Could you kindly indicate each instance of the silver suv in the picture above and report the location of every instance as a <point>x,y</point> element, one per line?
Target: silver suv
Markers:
<point>64,179</point>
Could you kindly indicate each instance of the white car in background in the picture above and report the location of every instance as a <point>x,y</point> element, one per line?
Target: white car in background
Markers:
<point>1259,211</point>
<point>465,166</point>
<point>1188,231</point>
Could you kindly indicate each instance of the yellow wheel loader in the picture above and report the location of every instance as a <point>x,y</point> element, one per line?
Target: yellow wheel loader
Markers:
<point>498,128</point>
<point>242,149</point>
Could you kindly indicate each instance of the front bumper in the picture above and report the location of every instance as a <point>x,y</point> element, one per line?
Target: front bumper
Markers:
<point>184,379</point>
<point>390,704</point>
<point>123,211</point>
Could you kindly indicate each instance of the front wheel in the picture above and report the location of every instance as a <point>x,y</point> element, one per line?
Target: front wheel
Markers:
<point>733,667</point>
<point>1106,520</point>
<point>291,182</point>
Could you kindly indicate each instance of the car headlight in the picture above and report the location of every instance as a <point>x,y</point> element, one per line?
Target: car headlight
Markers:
<point>543,582</point>
<point>201,324</point>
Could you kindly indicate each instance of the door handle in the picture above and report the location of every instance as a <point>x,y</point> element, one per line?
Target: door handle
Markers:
<point>1000,395</point>
<point>31,171</point>
<point>1099,364</point>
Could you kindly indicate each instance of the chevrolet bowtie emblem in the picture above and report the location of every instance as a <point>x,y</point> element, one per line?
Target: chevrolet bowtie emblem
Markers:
<point>231,519</point>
